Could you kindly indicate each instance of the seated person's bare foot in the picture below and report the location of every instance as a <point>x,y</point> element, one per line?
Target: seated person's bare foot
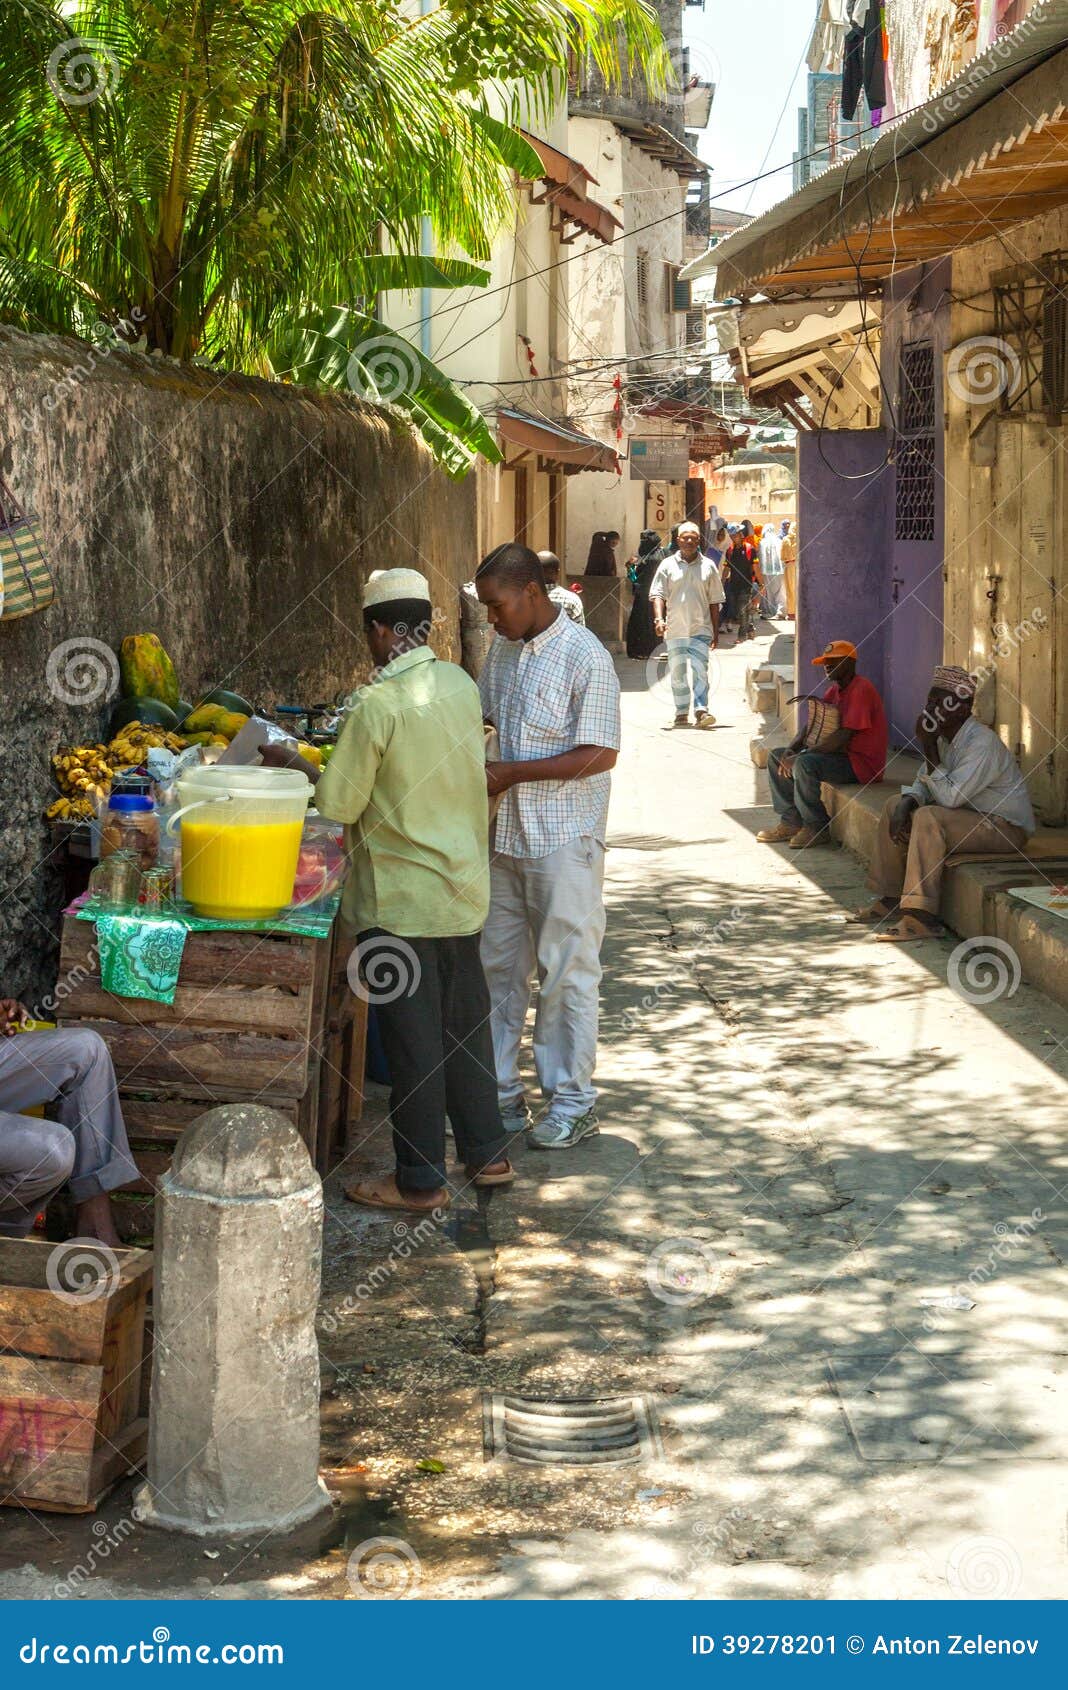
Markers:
<point>93,1219</point>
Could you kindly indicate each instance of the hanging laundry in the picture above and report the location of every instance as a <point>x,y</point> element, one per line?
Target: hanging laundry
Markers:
<point>825,49</point>
<point>989,14</point>
<point>864,67</point>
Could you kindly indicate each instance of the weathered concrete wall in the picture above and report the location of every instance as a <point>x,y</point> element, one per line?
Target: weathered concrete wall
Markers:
<point>842,586</point>
<point>1006,498</point>
<point>235,518</point>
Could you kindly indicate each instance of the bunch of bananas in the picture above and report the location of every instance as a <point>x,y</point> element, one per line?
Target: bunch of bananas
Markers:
<point>71,810</point>
<point>83,771</point>
<point>135,739</point>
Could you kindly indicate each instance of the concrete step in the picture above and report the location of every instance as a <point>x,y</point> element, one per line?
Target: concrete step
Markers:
<point>975,895</point>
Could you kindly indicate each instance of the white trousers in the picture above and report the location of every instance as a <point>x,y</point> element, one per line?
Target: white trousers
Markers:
<point>547,914</point>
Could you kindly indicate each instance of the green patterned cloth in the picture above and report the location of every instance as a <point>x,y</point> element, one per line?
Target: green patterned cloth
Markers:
<point>140,957</point>
<point>311,920</point>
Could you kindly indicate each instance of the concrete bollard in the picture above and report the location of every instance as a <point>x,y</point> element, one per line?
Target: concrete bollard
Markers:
<point>234,1429</point>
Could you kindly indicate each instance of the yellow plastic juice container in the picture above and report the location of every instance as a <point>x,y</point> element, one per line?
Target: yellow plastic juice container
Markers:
<point>240,839</point>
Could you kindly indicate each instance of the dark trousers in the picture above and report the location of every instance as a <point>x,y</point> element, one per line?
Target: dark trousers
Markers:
<point>436,1036</point>
<point>797,797</point>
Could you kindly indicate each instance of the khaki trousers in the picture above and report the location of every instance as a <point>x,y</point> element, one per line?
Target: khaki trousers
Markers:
<point>912,873</point>
<point>789,575</point>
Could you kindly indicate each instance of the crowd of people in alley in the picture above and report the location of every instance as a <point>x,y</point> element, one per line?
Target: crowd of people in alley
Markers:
<point>475,817</point>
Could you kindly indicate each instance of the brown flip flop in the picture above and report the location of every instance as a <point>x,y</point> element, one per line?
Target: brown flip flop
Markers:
<point>366,1195</point>
<point>907,931</point>
<point>871,916</point>
<point>505,1177</point>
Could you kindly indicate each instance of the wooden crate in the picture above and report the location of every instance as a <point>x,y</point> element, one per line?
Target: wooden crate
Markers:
<point>71,1419</point>
<point>256,1018</point>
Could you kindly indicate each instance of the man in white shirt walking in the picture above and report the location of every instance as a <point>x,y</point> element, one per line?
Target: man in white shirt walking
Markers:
<point>549,689</point>
<point>971,798</point>
<point>686,593</point>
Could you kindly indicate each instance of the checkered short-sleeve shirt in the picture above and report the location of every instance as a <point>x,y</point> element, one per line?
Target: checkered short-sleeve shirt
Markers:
<point>546,696</point>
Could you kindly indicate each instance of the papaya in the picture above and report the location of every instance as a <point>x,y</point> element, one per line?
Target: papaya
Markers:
<point>148,710</point>
<point>203,718</point>
<point>229,701</point>
<point>228,723</point>
<point>146,670</point>
<point>200,739</point>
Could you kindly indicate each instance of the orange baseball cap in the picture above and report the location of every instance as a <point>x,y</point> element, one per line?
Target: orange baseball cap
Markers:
<point>837,648</point>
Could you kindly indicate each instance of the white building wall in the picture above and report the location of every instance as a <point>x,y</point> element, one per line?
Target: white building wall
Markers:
<point>607,322</point>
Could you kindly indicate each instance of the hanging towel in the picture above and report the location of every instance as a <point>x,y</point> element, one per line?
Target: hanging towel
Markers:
<point>864,68</point>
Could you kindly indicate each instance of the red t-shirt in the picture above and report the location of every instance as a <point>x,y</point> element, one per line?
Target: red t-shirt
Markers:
<point>861,710</point>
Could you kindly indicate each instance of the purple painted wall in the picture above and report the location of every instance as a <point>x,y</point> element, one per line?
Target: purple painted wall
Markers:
<point>916,308</point>
<point>842,576</point>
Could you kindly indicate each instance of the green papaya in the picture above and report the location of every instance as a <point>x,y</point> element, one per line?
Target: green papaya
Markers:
<point>146,670</point>
<point>148,710</point>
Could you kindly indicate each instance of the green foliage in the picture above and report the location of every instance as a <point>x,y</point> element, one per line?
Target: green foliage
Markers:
<point>207,173</point>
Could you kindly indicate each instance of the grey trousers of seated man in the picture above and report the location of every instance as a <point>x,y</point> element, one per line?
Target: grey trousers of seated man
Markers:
<point>83,1140</point>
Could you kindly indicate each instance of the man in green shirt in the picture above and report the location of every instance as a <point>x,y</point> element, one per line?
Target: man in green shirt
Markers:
<point>408,780</point>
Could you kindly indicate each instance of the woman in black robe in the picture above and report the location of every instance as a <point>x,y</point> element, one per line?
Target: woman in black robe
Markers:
<point>641,635</point>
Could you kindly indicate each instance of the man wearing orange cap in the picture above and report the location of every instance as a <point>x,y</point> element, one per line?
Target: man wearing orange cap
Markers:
<point>855,752</point>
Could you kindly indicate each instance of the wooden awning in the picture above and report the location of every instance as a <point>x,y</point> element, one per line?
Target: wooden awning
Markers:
<point>556,444</point>
<point>566,183</point>
<point>989,152</point>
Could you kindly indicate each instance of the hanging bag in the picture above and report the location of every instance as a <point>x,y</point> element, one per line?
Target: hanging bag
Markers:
<point>26,583</point>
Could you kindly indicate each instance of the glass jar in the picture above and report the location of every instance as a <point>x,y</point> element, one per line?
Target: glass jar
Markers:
<point>130,824</point>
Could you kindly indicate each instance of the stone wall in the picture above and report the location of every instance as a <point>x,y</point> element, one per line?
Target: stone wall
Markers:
<point>235,518</point>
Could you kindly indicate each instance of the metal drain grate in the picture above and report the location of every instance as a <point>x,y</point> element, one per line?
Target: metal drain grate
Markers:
<point>586,1433</point>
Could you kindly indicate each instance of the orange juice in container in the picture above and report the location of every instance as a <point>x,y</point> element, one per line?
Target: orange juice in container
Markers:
<point>240,839</point>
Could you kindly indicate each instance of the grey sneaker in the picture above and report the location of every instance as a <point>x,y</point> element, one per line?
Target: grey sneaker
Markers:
<point>515,1116</point>
<point>557,1133</point>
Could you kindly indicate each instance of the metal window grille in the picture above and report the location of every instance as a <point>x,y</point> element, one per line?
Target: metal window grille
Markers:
<point>915,496</point>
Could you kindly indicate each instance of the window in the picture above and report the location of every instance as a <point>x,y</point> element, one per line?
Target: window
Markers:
<point>915,496</point>
<point>677,295</point>
<point>641,294</point>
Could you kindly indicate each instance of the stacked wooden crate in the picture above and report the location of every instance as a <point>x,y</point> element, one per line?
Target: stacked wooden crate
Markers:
<point>265,1018</point>
<point>72,1330</point>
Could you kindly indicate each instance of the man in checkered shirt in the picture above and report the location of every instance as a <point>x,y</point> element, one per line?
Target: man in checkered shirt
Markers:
<point>549,688</point>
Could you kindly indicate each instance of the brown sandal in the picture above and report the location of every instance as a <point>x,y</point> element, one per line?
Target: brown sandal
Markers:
<point>874,914</point>
<point>482,1177</point>
<point>384,1193</point>
<point>907,930</point>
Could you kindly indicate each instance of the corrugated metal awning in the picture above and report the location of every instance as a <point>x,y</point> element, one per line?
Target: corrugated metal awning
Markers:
<point>566,189</point>
<point>561,447</point>
<point>987,152</point>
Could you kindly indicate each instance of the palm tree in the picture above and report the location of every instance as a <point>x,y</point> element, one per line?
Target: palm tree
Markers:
<point>235,180</point>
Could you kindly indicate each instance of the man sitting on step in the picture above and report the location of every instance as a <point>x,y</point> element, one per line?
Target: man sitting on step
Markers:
<point>970,799</point>
<point>855,752</point>
<point>84,1139</point>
